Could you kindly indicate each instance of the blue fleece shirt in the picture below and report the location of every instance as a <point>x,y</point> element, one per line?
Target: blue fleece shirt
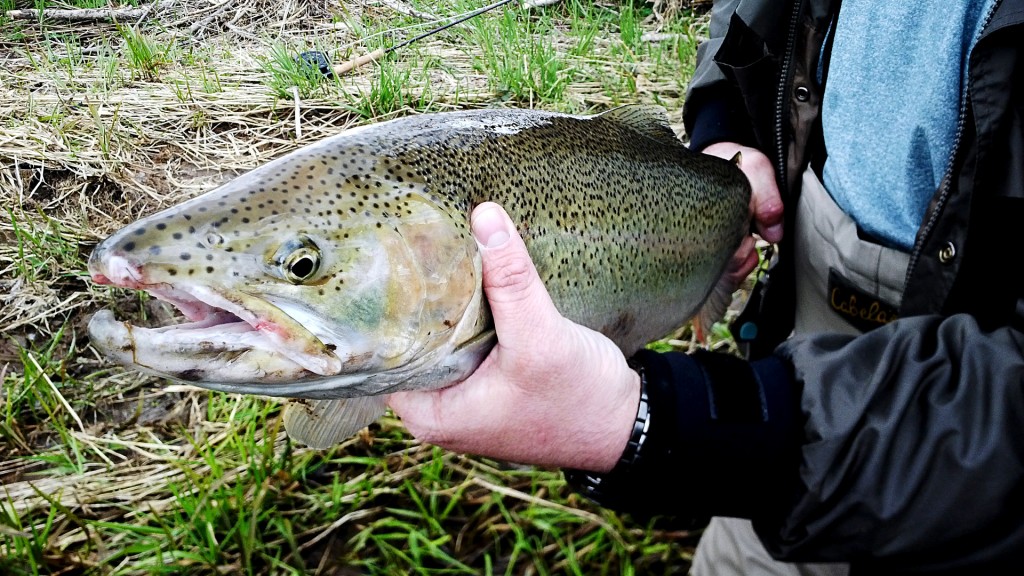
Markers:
<point>896,81</point>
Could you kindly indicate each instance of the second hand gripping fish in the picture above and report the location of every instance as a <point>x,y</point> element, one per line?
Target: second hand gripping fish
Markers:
<point>346,269</point>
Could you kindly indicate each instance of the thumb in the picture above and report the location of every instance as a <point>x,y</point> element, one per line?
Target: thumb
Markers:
<point>518,299</point>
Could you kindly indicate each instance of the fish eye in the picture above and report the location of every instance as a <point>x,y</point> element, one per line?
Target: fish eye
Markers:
<point>299,260</point>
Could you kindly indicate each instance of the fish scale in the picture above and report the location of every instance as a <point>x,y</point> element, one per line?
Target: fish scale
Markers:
<point>346,269</point>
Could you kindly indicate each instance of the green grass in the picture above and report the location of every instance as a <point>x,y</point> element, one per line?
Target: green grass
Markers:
<point>43,249</point>
<point>630,30</point>
<point>106,471</point>
<point>144,55</point>
<point>520,59</point>
<point>287,72</point>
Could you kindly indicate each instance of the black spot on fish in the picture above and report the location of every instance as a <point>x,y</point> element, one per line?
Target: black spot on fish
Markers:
<point>129,246</point>
<point>185,256</point>
<point>176,235</point>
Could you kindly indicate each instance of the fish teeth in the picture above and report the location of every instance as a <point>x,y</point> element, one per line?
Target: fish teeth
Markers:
<point>283,332</point>
<point>195,309</point>
<point>222,320</point>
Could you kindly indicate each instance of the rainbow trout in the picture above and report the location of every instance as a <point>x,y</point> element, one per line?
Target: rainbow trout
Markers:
<point>346,269</point>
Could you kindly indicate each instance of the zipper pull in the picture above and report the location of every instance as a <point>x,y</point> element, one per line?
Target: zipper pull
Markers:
<point>745,327</point>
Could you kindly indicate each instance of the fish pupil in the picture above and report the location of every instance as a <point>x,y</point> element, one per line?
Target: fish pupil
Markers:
<point>303,267</point>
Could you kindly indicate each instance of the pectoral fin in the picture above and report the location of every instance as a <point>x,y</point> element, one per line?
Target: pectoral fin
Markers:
<point>322,424</point>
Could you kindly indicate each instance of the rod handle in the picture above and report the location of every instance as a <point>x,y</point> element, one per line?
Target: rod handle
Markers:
<point>350,65</point>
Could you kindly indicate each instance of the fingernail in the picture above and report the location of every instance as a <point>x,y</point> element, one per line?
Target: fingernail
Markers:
<point>773,233</point>
<point>489,227</point>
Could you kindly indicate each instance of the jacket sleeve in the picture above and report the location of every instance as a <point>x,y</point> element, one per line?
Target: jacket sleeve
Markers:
<point>900,448</point>
<point>714,111</point>
<point>912,448</point>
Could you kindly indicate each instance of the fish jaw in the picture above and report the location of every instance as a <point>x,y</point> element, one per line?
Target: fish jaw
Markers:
<point>231,336</point>
<point>193,352</point>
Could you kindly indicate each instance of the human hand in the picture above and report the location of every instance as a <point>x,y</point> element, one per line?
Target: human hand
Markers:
<point>551,392</point>
<point>765,205</point>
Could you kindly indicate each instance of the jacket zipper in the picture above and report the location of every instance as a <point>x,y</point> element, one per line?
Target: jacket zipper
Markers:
<point>947,178</point>
<point>780,102</point>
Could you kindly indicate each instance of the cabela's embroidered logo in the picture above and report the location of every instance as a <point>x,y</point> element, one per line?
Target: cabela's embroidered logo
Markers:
<point>862,310</point>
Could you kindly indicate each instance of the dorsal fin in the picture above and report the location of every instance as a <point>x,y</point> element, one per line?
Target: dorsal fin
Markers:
<point>651,121</point>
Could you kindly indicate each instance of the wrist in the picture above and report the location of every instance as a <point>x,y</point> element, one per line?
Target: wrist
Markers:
<point>738,423</point>
<point>621,423</point>
<point>596,418</point>
<point>597,484</point>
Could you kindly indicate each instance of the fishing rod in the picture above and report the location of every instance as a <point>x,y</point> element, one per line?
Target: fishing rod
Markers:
<point>320,60</point>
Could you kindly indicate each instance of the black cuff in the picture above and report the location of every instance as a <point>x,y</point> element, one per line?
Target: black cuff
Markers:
<point>723,440</point>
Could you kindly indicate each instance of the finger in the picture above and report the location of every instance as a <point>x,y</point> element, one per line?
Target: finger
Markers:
<point>519,302</point>
<point>463,417</point>
<point>742,263</point>
<point>765,200</point>
<point>423,413</point>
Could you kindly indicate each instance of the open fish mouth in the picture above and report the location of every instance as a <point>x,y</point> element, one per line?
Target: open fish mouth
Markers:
<point>230,336</point>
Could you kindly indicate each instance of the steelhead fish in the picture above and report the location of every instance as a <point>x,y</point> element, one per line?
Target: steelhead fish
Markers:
<point>346,269</point>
